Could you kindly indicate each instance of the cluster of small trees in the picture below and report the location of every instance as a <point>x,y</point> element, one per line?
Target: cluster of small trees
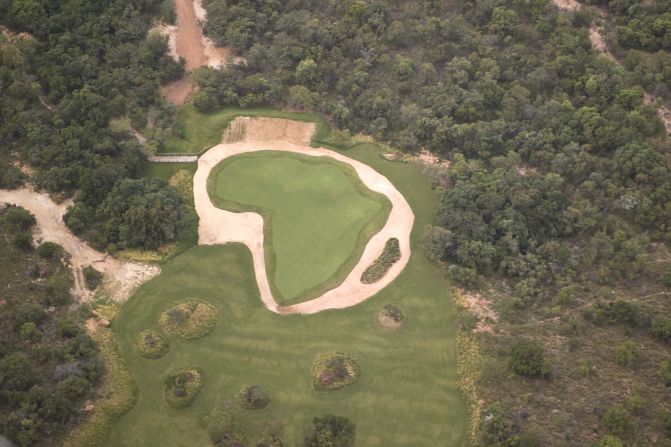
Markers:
<point>48,364</point>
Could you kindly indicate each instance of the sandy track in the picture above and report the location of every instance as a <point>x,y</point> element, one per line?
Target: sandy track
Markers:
<point>219,226</point>
<point>120,278</point>
<point>186,40</point>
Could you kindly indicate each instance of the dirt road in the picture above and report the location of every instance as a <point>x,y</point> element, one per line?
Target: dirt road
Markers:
<point>120,279</point>
<point>219,226</point>
<point>187,40</point>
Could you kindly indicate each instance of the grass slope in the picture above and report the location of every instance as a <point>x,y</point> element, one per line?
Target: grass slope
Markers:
<point>311,206</point>
<point>196,131</point>
<point>407,392</point>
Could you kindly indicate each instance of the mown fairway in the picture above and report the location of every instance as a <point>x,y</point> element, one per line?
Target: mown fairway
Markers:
<point>318,216</point>
<point>407,393</point>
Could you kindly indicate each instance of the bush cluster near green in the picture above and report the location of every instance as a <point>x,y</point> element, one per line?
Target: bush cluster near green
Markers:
<point>408,375</point>
<point>182,387</point>
<point>334,370</point>
<point>379,268</point>
<point>253,397</point>
<point>151,344</point>
<point>189,319</point>
<point>318,216</point>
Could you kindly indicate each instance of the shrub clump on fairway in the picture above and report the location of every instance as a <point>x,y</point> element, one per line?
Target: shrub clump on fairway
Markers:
<point>182,387</point>
<point>189,319</point>
<point>334,370</point>
<point>151,344</point>
<point>329,430</point>
<point>390,255</point>
<point>391,316</point>
<point>223,427</point>
<point>253,397</point>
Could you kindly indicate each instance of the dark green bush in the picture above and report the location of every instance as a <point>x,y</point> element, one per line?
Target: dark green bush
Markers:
<point>527,358</point>
<point>330,431</point>
<point>665,372</point>
<point>23,240</point>
<point>617,420</point>
<point>499,427</point>
<point>92,277</point>
<point>16,219</point>
<point>626,354</point>
<point>49,250</point>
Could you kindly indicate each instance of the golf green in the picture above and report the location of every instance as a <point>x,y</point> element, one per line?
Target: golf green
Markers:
<point>318,216</point>
<point>407,392</point>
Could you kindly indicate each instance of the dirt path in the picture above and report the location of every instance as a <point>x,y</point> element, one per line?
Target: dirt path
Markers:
<point>218,226</point>
<point>120,278</point>
<point>186,40</point>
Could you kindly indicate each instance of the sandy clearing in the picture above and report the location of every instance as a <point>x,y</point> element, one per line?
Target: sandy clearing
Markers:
<point>120,278</point>
<point>219,226</point>
<point>567,5</point>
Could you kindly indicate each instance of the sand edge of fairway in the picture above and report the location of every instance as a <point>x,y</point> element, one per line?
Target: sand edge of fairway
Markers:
<point>218,226</point>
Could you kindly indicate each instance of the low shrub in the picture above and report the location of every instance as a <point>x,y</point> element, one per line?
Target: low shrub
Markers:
<point>499,426</point>
<point>92,277</point>
<point>610,441</point>
<point>189,319</point>
<point>617,420</point>
<point>391,316</point>
<point>48,250</point>
<point>151,344</point>
<point>334,370</point>
<point>23,241</point>
<point>182,387</point>
<point>329,430</point>
<point>57,290</point>
<point>527,358</point>
<point>626,354</point>
<point>665,372</point>
<point>253,397</point>
<point>223,427</point>
<point>390,255</point>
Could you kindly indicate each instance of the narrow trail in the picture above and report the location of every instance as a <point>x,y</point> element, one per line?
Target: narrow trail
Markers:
<point>120,279</point>
<point>600,45</point>
<point>218,226</point>
<point>186,40</point>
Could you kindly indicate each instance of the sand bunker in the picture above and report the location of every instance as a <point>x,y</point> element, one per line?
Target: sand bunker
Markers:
<point>120,279</point>
<point>219,226</point>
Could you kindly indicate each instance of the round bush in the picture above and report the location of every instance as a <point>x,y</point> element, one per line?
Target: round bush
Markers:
<point>391,316</point>
<point>189,319</point>
<point>334,370</point>
<point>151,344</point>
<point>182,387</point>
<point>528,359</point>
<point>253,397</point>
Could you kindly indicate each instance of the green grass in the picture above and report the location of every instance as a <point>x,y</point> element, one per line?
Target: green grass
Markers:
<point>200,131</point>
<point>311,206</point>
<point>407,393</point>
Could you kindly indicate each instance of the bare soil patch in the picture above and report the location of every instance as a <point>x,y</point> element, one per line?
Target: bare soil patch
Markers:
<point>567,5</point>
<point>120,279</point>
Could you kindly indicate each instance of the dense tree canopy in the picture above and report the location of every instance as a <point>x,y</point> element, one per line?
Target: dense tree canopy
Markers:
<point>85,64</point>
